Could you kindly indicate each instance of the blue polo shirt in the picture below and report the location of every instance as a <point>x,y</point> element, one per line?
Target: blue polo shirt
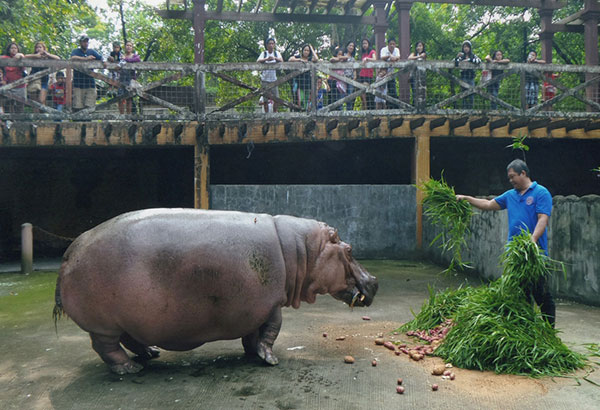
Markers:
<point>523,210</point>
<point>81,80</point>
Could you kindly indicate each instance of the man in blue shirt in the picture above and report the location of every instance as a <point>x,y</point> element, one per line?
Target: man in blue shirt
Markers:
<point>84,86</point>
<point>529,207</point>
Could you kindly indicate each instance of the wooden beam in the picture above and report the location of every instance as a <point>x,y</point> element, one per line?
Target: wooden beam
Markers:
<point>312,6</point>
<point>558,124</point>
<point>534,125</point>
<point>437,122</point>
<point>478,123</point>
<point>458,122</point>
<point>290,18</point>
<point>416,123</point>
<point>547,4</point>
<point>592,126</point>
<point>520,123</point>
<point>498,123</point>
<point>257,8</point>
<point>576,125</point>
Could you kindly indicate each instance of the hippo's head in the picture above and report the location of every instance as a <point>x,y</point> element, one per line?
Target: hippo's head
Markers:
<point>340,275</point>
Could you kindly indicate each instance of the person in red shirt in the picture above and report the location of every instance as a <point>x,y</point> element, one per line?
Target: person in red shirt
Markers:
<point>365,75</point>
<point>57,90</point>
<point>12,74</point>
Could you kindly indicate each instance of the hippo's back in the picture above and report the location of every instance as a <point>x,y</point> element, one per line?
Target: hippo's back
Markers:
<point>163,274</point>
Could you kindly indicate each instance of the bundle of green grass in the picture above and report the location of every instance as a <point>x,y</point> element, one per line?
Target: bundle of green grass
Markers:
<point>496,326</point>
<point>453,217</point>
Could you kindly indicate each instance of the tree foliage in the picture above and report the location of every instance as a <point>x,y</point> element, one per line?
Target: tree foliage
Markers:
<point>56,22</point>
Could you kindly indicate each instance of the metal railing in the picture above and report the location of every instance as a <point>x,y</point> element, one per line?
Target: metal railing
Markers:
<point>220,92</point>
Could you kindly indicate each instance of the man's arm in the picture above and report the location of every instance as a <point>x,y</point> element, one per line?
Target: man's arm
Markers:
<point>481,203</point>
<point>540,227</point>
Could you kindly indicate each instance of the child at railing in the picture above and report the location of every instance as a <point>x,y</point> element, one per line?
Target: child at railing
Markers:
<point>493,89</point>
<point>340,86</point>
<point>532,83</point>
<point>57,90</point>
<point>380,103</point>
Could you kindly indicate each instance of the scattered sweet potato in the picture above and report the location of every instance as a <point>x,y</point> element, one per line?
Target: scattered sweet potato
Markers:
<point>379,341</point>
<point>348,359</point>
<point>399,389</point>
<point>438,370</point>
<point>389,345</point>
<point>434,387</point>
<point>374,363</point>
<point>400,381</point>
<point>340,338</point>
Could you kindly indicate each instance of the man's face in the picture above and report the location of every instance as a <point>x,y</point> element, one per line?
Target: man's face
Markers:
<point>84,44</point>
<point>271,46</point>
<point>392,45</point>
<point>518,181</point>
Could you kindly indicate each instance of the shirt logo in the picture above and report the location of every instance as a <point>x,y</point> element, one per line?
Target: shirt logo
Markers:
<point>529,200</point>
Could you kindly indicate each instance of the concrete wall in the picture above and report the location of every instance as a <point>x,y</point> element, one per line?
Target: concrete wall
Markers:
<point>377,220</point>
<point>574,238</point>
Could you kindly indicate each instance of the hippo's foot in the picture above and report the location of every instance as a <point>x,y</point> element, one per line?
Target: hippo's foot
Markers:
<point>265,352</point>
<point>109,349</point>
<point>126,368</point>
<point>142,351</point>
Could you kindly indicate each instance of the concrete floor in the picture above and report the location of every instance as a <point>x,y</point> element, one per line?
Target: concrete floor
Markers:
<point>39,370</point>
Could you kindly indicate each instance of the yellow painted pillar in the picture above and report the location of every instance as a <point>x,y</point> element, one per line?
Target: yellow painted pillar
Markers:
<point>201,176</point>
<point>422,173</point>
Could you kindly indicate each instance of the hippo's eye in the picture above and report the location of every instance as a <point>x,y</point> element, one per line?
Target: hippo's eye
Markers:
<point>349,249</point>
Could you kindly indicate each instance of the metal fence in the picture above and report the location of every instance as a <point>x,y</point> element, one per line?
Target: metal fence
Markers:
<point>170,91</point>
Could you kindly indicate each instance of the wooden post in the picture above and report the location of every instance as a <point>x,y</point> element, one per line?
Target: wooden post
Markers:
<point>69,88</point>
<point>200,94</point>
<point>422,172</point>
<point>546,35</point>
<point>380,27</point>
<point>26,248</point>
<point>201,175</point>
<point>199,24</point>
<point>404,46</point>
<point>590,34</point>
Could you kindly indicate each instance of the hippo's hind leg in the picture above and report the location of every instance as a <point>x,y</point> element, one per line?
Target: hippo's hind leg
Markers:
<point>109,349</point>
<point>142,351</point>
<point>267,334</point>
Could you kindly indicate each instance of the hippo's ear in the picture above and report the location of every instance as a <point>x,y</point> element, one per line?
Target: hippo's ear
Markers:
<point>333,235</point>
<point>348,250</point>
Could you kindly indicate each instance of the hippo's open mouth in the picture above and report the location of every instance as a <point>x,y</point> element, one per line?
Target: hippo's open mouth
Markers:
<point>355,297</point>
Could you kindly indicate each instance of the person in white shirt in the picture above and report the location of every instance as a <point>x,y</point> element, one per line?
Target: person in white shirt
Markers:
<point>269,56</point>
<point>391,53</point>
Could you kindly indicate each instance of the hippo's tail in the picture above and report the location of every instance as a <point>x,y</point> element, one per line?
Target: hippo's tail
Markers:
<point>58,310</point>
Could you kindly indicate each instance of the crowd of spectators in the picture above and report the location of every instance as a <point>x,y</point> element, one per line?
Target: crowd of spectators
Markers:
<point>51,89</point>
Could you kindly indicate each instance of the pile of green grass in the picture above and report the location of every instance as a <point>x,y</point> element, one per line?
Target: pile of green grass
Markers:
<point>496,326</point>
<point>453,217</point>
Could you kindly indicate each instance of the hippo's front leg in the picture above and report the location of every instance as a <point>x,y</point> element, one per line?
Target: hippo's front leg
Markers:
<point>261,341</point>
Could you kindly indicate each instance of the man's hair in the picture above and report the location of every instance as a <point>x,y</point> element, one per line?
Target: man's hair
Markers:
<point>391,39</point>
<point>269,39</point>
<point>60,74</point>
<point>518,165</point>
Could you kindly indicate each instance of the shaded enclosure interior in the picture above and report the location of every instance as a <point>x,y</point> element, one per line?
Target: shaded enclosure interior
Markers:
<point>66,190</point>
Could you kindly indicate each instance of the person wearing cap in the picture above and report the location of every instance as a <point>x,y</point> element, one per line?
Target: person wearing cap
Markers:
<point>84,86</point>
<point>468,76</point>
<point>269,56</point>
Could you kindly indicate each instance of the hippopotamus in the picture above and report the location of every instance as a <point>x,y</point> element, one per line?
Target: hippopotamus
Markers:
<point>179,278</point>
